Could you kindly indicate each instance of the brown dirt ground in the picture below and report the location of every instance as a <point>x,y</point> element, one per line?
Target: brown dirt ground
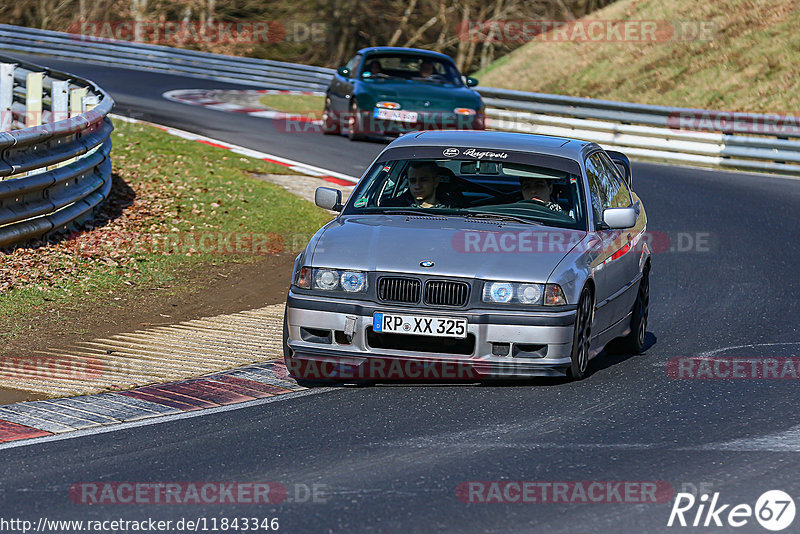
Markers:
<point>225,288</point>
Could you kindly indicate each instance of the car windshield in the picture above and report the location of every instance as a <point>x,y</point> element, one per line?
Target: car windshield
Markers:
<point>425,69</point>
<point>473,188</point>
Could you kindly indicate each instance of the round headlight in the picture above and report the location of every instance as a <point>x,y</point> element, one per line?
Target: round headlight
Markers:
<point>326,279</point>
<point>353,281</point>
<point>529,293</point>
<point>498,292</point>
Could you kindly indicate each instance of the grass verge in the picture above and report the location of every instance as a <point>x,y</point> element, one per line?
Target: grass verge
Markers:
<point>176,207</point>
<point>297,104</point>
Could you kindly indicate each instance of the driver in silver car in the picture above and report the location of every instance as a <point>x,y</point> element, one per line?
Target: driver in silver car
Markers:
<point>541,190</point>
<point>423,182</point>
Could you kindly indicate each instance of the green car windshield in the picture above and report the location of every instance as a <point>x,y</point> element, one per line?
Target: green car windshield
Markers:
<point>500,190</point>
<point>418,68</point>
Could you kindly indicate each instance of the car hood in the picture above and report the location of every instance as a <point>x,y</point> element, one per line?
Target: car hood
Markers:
<point>457,247</point>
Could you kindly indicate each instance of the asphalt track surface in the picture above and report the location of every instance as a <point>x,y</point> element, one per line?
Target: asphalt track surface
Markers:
<point>391,457</point>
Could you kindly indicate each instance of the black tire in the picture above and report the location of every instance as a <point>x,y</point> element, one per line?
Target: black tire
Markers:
<point>330,124</point>
<point>582,336</point>
<point>354,124</point>
<point>633,343</point>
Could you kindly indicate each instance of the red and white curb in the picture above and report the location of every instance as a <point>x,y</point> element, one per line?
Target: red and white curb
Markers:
<point>124,357</point>
<point>57,416</point>
<point>312,170</point>
<point>215,99</point>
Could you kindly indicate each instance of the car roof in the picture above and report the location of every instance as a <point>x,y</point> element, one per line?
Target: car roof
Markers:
<point>521,142</point>
<point>400,49</point>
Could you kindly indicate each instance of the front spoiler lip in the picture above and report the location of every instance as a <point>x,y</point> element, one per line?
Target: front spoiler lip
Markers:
<point>345,366</point>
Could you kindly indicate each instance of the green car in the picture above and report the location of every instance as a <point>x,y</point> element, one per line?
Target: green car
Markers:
<point>388,91</point>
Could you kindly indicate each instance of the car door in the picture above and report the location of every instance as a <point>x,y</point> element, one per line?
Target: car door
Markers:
<point>607,269</point>
<point>628,253</point>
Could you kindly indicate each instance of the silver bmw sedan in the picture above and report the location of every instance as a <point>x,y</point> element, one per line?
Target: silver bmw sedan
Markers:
<point>472,255</point>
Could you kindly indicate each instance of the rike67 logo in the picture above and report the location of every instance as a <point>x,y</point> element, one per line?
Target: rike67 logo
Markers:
<point>774,510</point>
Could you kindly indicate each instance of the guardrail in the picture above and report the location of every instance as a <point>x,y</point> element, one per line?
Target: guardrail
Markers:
<point>741,140</point>
<point>240,70</point>
<point>55,168</point>
<point>747,141</point>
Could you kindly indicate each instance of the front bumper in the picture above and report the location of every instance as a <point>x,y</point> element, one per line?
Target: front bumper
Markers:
<point>538,344</point>
<point>426,121</point>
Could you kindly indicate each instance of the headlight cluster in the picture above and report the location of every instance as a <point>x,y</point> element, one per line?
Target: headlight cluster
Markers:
<point>520,293</point>
<point>331,279</point>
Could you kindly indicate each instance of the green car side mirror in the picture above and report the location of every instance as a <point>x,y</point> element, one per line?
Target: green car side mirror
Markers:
<point>472,82</point>
<point>343,71</point>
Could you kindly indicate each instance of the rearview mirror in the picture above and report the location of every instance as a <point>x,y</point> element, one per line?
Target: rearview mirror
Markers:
<point>343,71</point>
<point>472,82</point>
<point>617,218</point>
<point>329,199</point>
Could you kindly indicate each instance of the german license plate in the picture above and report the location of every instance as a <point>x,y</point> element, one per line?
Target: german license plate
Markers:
<point>419,325</point>
<point>396,115</point>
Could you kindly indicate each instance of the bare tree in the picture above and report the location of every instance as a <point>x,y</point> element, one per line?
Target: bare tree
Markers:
<point>442,25</point>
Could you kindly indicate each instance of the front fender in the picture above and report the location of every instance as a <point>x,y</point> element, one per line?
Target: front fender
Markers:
<point>574,270</point>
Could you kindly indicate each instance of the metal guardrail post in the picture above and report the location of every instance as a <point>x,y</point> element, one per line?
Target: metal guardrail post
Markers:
<point>33,99</point>
<point>76,97</point>
<point>6,95</point>
<point>59,98</point>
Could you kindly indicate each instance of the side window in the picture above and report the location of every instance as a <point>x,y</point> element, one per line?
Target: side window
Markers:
<point>596,188</point>
<point>618,194</point>
<point>356,66</point>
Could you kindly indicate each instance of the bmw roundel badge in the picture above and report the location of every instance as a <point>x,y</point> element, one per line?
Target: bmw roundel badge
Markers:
<point>426,263</point>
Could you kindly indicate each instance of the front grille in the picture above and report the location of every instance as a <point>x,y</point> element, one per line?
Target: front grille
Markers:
<point>391,289</point>
<point>446,293</point>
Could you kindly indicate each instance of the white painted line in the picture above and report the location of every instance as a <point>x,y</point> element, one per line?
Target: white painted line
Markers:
<point>286,162</point>
<point>786,441</point>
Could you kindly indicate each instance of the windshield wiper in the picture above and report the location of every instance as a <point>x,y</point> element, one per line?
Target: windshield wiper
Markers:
<point>420,211</point>
<point>500,217</point>
<point>382,76</point>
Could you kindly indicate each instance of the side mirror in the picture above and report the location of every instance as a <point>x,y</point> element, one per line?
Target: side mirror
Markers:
<point>472,82</point>
<point>343,71</point>
<point>618,218</point>
<point>623,164</point>
<point>329,199</point>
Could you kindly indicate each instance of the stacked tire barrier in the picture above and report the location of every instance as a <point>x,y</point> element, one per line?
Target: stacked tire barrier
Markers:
<point>55,169</point>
